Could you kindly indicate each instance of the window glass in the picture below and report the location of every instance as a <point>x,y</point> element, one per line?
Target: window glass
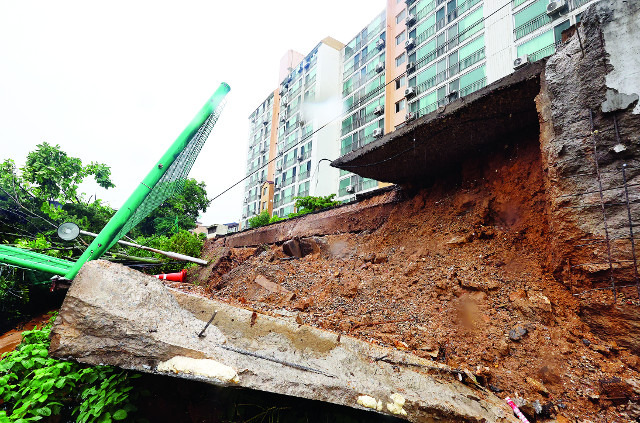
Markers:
<point>426,52</point>
<point>557,31</point>
<point>400,38</point>
<point>471,24</point>
<point>426,74</point>
<point>401,59</point>
<point>537,43</point>
<point>472,47</point>
<point>401,82</point>
<point>471,77</point>
<point>530,12</point>
<point>426,24</point>
<point>400,105</point>
<point>427,100</point>
<point>440,14</point>
<point>401,16</point>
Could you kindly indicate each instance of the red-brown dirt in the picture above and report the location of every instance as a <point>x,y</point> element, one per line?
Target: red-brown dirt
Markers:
<point>454,269</point>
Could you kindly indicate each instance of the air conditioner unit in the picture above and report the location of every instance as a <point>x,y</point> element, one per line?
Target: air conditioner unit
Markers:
<point>301,123</point>
<point>265,122</point>
<point>380,44</point>
<point>378,110</point>
<point>246,200</point>
<point>380,67</point>
<point>453,94</point>
<point>300,158</point>
<point>411,19</point>
<point>555,7</point>
<point>409,116</point>
<point>279,167</point>
<point>410,92</point>
<point>410,43</point>
<point>351,189</point>
<point>411,67</point>
<point>283,117</point>
<point>521,62</point>
<point>263,149</point>
<point>377,133</point>
<point>284,101</point>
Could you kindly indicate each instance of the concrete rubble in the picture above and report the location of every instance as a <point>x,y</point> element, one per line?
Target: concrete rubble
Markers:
<point>117,316</point>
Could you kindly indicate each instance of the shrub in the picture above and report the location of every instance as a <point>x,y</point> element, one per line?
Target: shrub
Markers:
<point>34,386</point>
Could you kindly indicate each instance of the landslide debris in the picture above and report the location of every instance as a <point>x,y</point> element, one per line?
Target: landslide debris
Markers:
<point>457,274</point>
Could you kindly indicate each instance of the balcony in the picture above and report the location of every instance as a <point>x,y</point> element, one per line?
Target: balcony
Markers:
<point>304,156</point>
<point>303,193</point>
<point>359,122</point>
<point>289,180</point>
<point>429,7</point>
<point>532,25</point>
<point>473,87</point>
<point>304,175</point>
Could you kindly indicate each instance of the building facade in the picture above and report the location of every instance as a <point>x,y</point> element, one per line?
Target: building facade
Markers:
<point>456,47</point>
<point>413,58</point>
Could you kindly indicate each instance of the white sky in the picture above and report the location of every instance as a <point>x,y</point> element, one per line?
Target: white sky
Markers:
<point>117,81</point>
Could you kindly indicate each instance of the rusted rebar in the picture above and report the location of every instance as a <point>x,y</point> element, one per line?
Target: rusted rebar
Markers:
<point>594,136</point>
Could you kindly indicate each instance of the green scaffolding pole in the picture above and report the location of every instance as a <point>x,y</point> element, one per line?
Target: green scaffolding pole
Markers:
<point>107,236</point>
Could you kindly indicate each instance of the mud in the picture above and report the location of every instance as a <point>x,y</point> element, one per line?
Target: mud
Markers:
<point>454,268</point>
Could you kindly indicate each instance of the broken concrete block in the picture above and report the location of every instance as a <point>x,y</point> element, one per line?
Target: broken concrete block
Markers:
<point>117,316</point>
<point>292,248</point>
<point>273,287</point>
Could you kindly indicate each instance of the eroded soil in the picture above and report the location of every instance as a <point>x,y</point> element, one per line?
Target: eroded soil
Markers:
<point>456,274</point>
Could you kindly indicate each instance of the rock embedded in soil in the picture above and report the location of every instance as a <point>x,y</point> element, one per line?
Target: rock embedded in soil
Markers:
<point>517,333</point>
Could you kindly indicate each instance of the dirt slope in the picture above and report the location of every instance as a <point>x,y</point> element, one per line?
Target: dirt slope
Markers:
<point>456,274</point>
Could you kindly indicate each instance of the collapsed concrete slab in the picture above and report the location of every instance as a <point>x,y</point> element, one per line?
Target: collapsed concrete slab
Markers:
<point>117,316</point>
<point>497,114</point>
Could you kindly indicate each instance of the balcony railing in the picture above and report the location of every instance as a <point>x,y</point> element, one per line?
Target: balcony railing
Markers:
<point>530,26</point>
<point>472,59</point>
<point>451,71</point>
<point>304,156</point>
<point>425,10</point>
<point>481,83</point>
<point>304,175</point>
<point>374,32</point>
<point>543,52</point>
<point>289,180</point>
<point>359,122</point>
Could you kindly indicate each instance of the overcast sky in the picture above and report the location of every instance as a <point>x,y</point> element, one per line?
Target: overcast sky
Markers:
<point>117,81</point>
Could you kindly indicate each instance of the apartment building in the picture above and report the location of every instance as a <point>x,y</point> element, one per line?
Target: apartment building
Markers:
<point>286,153</point>
<point>259,186</point>
<point>363,98</point>
<point>411,59</point>
<point>456,47</point>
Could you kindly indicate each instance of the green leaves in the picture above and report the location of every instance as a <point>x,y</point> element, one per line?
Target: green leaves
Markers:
<point>34,386</point>
<point>55,176</point>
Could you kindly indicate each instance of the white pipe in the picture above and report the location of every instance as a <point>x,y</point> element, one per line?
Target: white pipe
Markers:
<point>153,250</point>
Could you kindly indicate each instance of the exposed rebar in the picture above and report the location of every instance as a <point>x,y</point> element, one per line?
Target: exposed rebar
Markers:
<point>594,135</point>
<point>633,243</point>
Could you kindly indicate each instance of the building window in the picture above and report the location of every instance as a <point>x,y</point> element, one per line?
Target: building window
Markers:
<point>400,38</point>
<point>401,16</point>
<point>401,59</point>
<point>400,105</point>
<point>401,82</point>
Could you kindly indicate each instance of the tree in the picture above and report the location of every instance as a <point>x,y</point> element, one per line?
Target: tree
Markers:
<point>55,176</point>
<point>310,204</point>
<point>178,212</point>
<point>259,220</point>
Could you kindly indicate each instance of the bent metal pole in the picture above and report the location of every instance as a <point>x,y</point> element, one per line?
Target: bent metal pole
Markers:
<point>106,237</point>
